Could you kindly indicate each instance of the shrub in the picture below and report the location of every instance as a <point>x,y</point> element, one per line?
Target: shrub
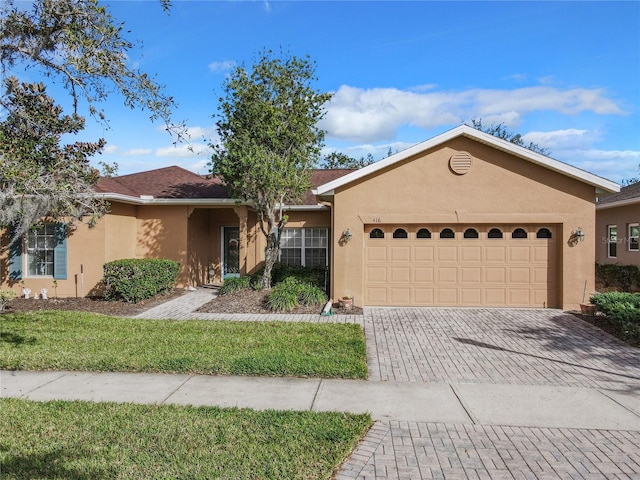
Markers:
<point>623,311</point>
<point>234,284</point>
<point>622,277</point>
<point>5,297</point>
<point>135,279</point>
<point>290,292</point>
<point>313,275</point>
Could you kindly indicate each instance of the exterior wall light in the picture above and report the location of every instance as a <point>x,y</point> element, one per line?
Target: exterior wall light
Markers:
<point>347,235</point>
<point>577,236</point>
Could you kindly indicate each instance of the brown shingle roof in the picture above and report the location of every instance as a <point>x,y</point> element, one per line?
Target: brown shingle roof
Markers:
<point>626,193</point>
<point>178,183</point>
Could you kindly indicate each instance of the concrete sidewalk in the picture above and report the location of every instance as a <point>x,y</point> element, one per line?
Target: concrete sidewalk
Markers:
<point>477,404</point>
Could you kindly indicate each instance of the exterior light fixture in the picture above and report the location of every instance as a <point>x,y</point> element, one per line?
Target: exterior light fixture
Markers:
<point>578,234</point>
<point>347,235</point>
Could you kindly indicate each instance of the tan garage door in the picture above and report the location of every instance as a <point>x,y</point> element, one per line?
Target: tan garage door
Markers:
<point>470,265</point>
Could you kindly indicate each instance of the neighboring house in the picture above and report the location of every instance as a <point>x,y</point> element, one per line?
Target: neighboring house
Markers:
<point>462,219</point>
<point>617,221</point>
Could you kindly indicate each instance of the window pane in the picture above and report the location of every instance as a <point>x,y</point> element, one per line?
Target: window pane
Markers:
<point>447,233</point>
<point>543,233</point>
<point>315,237</point>
<point>519,233</point>
<point>470,233</point>
<point>291,256</point>
<point>613,234</point>
<point>424,233</point>
<point>495,233</point>
<point>400,233</point>
<point>613,249</point>
<point>314,257</point>
<point>376,233</point>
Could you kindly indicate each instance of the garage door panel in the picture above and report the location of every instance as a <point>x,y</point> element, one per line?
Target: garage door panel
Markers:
<point>423,274</point>
<point>400,254</point>
<point>376,295</point>
<point>400,295</point>
<point>471,254</point>
<point>471,275</point>
<point>423,254</point>
<point>518,272</point>
<point>447,275</point>
<point>376,253</point>
<point>374,274</point>
<point>447,296</point>
<point>400,274</point>
<point>447,253</point>
<point>423,296</point>
<point>496,275</point>
<point>495,296</point>
<point>471,296</point>
<point>495,254</point>
<point>520,253</point>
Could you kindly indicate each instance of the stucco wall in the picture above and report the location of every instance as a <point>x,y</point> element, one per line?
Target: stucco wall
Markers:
<point>621,217</point>
<point>499,188</point>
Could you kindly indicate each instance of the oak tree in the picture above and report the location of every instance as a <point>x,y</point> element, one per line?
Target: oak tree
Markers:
<point>269,139</point>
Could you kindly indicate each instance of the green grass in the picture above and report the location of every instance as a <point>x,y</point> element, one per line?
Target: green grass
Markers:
<point>80,440</point>
<point>85,341</point>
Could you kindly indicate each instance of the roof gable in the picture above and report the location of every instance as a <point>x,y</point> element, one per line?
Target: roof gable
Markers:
<point>482,137</point>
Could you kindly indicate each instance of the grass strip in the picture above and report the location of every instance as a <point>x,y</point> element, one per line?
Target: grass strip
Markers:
<point>80,440</point>
<point>59,340</point>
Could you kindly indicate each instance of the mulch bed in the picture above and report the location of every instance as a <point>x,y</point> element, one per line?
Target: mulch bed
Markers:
<point>255,301</point>
<point>90,304</point>
<point>246,301</point>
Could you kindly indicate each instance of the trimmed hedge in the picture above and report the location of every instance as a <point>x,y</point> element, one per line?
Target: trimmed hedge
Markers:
<point>623,311</point>
<point>137,279</point>
<point>622,277</point>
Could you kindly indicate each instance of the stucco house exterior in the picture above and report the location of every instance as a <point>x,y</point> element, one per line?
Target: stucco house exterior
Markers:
<point>463,219</point>
<point>617,221</point>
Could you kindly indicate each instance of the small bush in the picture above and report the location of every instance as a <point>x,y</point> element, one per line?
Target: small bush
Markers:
<point>623,311</point>
<point>136,279</point>
<point>234,284</point>
<point>313,275</point>
<point>5,297</point>
<point>622,277</point>
<point>290,292</point>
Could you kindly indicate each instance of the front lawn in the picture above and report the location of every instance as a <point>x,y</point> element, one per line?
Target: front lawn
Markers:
<point>80,440</point>
<point>88,342</point>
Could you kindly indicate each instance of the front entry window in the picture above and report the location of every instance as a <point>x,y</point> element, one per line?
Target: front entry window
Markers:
<point>307,247</point>
<point>41,243</point>
<point>231,252</point>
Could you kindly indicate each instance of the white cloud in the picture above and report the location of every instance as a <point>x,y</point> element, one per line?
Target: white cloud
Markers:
<point>110,149</point>
<point>137,152</point>
<point>562,139</point>
<point>184,151</point>
<point>376,114</point>
<point>223,66</point>
<point>615,165</point>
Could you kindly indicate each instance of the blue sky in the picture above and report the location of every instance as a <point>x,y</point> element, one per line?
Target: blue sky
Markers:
<point>566,75</point>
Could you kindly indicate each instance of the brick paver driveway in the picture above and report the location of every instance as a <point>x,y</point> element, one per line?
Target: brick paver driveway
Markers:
<point>497,346</point>
<point>528,347</point>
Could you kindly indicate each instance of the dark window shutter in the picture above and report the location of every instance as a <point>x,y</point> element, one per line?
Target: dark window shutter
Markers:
<point>60,252</point>
<point>15,259</point>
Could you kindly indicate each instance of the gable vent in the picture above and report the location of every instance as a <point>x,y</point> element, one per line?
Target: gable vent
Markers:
<point>460,162</point>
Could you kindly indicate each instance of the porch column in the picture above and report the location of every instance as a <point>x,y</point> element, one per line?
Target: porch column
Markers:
<point>242,212</point>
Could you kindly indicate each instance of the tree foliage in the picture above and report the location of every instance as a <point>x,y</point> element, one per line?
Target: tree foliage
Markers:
<point>79,45</point>
<point>269,139</point>
<point>39,177</point>
<point>501,131</point>
<point>341,160</point>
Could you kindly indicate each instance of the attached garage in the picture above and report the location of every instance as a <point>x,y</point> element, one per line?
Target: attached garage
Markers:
<point>464,219</point>
<point>465,265</point>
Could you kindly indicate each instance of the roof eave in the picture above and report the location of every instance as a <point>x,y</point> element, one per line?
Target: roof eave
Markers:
<point>619,203</point>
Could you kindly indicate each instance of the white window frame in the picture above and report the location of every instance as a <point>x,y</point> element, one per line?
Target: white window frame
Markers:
<point>306,236</point>
<point>612,239</point>
<point>38,240</point>
<point>633,239</point>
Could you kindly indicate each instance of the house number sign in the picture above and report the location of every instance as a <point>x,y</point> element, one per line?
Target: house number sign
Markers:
<point>377,220</point>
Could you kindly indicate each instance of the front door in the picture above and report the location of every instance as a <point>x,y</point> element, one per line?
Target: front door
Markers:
<point>230,252</point>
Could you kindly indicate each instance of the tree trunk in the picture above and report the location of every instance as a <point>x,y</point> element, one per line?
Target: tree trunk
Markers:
<point>270,258</point>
